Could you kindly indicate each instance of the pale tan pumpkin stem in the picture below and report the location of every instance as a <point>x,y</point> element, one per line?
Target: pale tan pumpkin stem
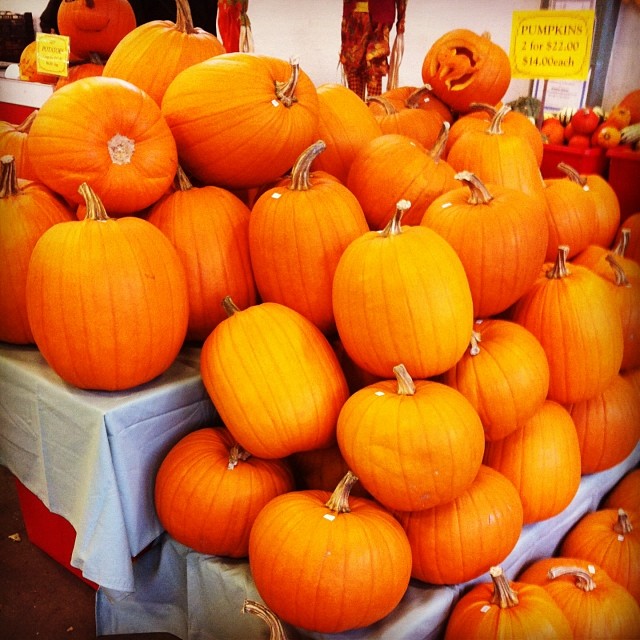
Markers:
<point>572,174</point>
<point>339,500</point>
<point>237,454</point>
<point>276,630</point>
<point>184,20</point>
<point>623,525</point>
<point>441,142</point>
<point>559,268</point>
<point>479,192</point>
<point>621,248</point>
<point>389,109</point>
<point>394,226</point>
<point>621,279</point>
<point>181,181</point>
<point>25,125</point>
<point>406,386</point>
<point>229,306</point>
<point>300,173</point>
<point>415,99</point>
<point>495,128</point>
<point>474,343</point>
<point>584,580</point>
<point>503,595</point>
<point>8,178</point>
<point>95,208</point>
<point>285,90</point>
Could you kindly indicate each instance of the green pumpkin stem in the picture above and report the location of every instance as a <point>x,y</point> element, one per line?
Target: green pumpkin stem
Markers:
<point>559,268</point>
<point>584,580</point>
<point>339,500</point>
<point>300,173</point>
<point>620,276</point>
<point>495,128</point>
<point>276,630</point>
<point>8,178</point>
<point>394,226</point>
<point>184,20</point>
<point>229,306</point>
<point>406,385</point>
<point>237,454</point>
<point>623,524</point>
<point>285,90</point>
<point>503,595</point>
<point>181,181</point>
<point>95,208</point>
<point>441,143</point>
<point>479,192</point>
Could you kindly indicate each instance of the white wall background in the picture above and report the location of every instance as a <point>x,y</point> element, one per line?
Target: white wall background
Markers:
<point>310,29</point>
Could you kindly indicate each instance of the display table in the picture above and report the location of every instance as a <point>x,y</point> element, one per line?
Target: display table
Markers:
<point>200,597</point>
<point>92,457</point>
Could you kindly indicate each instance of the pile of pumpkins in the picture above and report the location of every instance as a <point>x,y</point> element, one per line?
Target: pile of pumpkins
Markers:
<point>416,345</point>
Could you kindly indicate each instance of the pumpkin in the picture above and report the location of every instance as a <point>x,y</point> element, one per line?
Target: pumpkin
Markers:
<point>106,299</point>
<point>208,491</point>
<point>356,376</point>
<point>595,605</point>
<point>274,379</point>
<point>402,296</point>
<point>463,67</point>
<point>482,222</point>
<point>437,439</point>
<point>209,227</point>
<point>408,97</point>
<point>504,374</point>
<point>607,538</point>
<point>27,210</point>
<point>84,69</point>
<point>506,610</point>
<point>595,257</point>
<point>572,312</point>
<point>631,101</point>
<point>126,153</point>
<point>608,426</point>
<point>300,544</point>
<point>619,116</point>
<point>297,232</point>
<point>13,142</point>
<point>346,124</point>
<point>28,66</point>
<point>632,248</point>
<point>625,494</point>
<point>408,171</point>
<point>179,45</point>
<point>552,131</point>
<point>542,459</point>
<point>95,26</point>
<point>460,540</point>
<point>241,119</point>
<point>497,156</point>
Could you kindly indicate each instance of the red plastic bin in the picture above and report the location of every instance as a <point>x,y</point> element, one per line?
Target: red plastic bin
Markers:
<point>584,161</point>
<point>624,178</point>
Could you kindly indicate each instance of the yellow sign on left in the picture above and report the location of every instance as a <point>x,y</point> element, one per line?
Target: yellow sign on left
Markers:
<point>52,54</point>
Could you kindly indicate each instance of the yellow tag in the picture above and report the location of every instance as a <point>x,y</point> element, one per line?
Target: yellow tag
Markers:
<point>52,54</point>
<point>551,45</point>
<point>361,7</point>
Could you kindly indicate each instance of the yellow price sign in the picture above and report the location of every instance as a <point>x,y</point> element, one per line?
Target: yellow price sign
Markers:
<point>52,54</point>
<point>551,45</point>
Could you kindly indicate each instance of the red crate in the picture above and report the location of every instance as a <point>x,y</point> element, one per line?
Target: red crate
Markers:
<point>584,161</point>
<point>624,177</point>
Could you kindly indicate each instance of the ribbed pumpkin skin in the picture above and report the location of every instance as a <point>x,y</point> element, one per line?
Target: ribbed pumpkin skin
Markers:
<point>346,124</point>
<point>209,227</point>
<point>404,299</point>
<point>542,459</point>
<point>229,125</point>
<point>625,494</point>
<point>13,142</point>
<point>274,379</point>
<point>207,506</point>
<point>502,242</point>
<point>607,209</point>
<point>460,540</point>
<point>506,381</point>
<point>107,302</point>
<point>575,319</point>
<point>27,210</point>
<point>606,611</point>
<point>328,574</point>
<point>178,44</point>
<point>82,154</point>
<point>437,439</point>
<point>608,426</point>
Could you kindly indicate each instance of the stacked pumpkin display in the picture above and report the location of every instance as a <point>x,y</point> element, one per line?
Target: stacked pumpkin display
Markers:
<point>413,311</point>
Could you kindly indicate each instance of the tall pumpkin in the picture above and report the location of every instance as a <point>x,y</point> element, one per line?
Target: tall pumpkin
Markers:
<point>126,153</point>
<point>241,119</point>
<point>329,562</point>
<point>402,296</point>
<point>106,299</point>
<point>274,379</point>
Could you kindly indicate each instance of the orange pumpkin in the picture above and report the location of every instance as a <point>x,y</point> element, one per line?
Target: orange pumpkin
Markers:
<point>85,69</point>
<point>632,247</point>
<point>408,97</point>
<point>13,142</point>
<point>29,67</point>
<point>625,494</point>
<point>631,101</point>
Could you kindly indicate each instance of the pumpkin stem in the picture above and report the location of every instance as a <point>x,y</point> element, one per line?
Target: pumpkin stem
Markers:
<point>394,227</point>
<point>229,306</point>
<point>621,248</point>
<point>276,630</point>
<point>339,500</point>
<point>285,90</point>
<point>621,279</point>
<point>302,168</point>
<point>479,192</point>
<point>584,580</point>
<point>95,208</point>
<point>623,525</point>
<point>441,142</point>
<point>406,386</point>
<point>121,149</point>
<point>181,181</point>
<point>25,125</point>
<point>8,178</point>
<point>474,343</point>
<point>573,175</point>
<point>416,98</point>
<point>495,128</point>
<point>503,595</point>
<point>236,454</point>
<point>559,268</point>
<point>184,20</point>
<point>389,109</point>
<point>483,106</point>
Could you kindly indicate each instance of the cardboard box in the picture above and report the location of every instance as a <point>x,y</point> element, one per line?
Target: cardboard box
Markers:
<point>624,177</point>
<point>585,161</point>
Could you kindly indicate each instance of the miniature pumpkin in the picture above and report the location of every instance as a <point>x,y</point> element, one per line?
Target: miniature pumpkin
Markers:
<point>208,491</point>
<point>13,142</point>
<point>631,101</point>
<point>106,299</point>
<point>28,65</point>
<point>316,535</point>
